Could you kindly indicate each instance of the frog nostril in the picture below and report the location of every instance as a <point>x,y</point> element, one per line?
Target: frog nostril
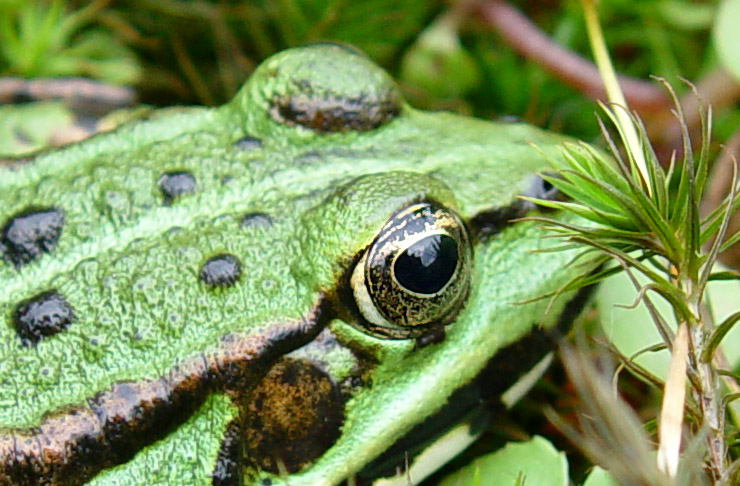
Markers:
<point>334,113</point>
<point>542,188</point>
<point>328,89</point>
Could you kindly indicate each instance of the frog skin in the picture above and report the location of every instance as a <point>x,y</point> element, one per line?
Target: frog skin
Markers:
<point>282,290</point>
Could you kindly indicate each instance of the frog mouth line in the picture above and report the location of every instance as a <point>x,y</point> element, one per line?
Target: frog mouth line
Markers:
<point>71,446</point>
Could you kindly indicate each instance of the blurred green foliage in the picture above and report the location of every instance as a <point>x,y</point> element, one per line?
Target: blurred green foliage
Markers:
<point>200,51</point>
<point>46,39</point>
<point>727,35</point>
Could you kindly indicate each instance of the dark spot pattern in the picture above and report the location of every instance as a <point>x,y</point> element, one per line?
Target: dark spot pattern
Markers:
<point>30,234</point>
<point>248,143</point>
<point>175,184</point>
<point>221,271</point>
<point>294,415</point>
<point>43,315</point>
<point>256,220</point>
<point>331,113</point>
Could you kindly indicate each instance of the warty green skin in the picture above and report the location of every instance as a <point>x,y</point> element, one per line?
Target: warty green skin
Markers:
<point>128,264</point>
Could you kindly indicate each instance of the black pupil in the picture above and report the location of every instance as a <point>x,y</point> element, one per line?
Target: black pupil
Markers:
<point>427,265</point>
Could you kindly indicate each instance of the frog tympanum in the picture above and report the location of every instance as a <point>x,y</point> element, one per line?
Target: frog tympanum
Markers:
<point>311,283</point>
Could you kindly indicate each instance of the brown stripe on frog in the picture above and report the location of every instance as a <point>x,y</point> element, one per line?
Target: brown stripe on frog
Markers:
<point>228,463</point>
<point>72,445</point>
<point>331,112</point>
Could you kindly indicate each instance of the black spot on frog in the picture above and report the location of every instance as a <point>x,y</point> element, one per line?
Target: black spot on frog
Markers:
<point>175,184</point>
<point>43,315</point>
<point>256,220</point>
<point>221,271</point>
<point>30,234</point>
<point>248,143</point>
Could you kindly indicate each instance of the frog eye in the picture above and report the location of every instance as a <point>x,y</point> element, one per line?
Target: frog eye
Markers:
<point>415,275</point>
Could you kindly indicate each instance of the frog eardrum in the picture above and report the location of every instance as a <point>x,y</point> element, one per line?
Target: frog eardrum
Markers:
<point>415,274</point>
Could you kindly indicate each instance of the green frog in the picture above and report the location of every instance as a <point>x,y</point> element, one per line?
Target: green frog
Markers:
<point>311,284</point>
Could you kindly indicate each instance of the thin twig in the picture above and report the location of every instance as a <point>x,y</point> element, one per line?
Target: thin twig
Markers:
<point>70,89</point>
<point>528,40</point>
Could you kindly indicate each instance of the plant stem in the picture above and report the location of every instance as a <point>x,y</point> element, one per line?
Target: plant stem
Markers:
<point>707,392</point>
<point>614,91</point>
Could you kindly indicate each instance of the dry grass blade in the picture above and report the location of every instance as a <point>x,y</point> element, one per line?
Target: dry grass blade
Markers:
<point>672,408</point>
<point>611,434</point>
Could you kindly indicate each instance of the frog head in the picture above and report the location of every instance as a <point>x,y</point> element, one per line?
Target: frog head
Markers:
<point>305,285</point>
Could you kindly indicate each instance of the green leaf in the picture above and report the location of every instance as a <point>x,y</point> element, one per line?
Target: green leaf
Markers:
<point>727,35</point>
<point>533,463</point>
<point>731,240</point>
<point>634,205</point>
<point>599,477</point>
<point>584,194</point>
<point>711,257</point>
<point>718,335</point>
<point>726,275</point>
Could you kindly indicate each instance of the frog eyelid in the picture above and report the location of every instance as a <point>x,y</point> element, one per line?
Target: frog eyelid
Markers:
<point>364,302</point>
